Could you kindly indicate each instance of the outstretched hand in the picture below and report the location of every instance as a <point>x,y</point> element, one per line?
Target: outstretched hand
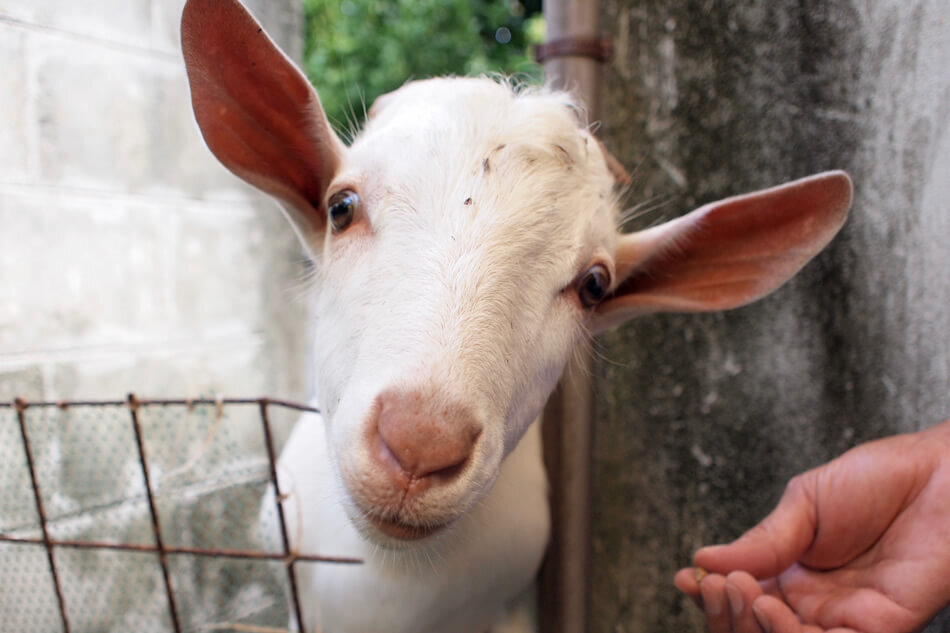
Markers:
<point>858,545</point>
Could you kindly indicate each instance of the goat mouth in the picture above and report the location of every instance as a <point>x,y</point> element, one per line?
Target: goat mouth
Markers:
<point>394,528</point>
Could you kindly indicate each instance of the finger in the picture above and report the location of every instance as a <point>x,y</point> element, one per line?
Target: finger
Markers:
<point>715,603</point>
<point>742,590</point>
<point>686,581</point>
<point>779,540</point>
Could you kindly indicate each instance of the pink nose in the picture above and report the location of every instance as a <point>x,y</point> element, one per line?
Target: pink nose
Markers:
<point>423,440</point>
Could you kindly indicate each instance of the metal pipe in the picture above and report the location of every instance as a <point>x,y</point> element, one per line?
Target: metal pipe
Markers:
<point>580,74</point>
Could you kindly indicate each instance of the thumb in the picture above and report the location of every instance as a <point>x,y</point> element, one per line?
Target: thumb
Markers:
<point>773,545</point>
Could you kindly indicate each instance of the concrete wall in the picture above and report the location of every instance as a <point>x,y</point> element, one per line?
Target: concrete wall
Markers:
<point>130,261</point>
<point>702,419</point>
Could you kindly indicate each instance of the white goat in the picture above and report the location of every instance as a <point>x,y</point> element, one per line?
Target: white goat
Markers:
<point>464,243</point>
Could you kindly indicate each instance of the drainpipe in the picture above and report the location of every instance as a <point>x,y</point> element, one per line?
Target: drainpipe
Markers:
<point>571,57</point>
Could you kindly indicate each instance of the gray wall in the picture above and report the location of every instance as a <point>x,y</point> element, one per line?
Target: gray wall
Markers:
<point>130,261</point>
<point>702,419</point>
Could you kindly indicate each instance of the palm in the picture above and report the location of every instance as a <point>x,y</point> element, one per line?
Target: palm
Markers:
<point>841,598</point>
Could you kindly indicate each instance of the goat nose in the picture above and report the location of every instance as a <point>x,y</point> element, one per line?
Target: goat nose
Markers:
<point>428,438</point>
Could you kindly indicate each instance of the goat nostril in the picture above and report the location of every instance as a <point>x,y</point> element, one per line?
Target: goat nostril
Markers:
<point>444,467</point>
<point>442,459</point>
<point>423,445</point>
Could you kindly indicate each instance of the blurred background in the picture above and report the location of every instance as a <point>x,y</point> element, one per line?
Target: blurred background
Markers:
<point>356,50</point>
<point>130,260</point>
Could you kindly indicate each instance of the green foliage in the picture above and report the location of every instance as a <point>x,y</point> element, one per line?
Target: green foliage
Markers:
<point>356,50</point>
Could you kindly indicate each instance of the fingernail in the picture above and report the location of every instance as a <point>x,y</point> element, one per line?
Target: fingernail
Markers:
<point>736,603</point>
<point>762,620</point>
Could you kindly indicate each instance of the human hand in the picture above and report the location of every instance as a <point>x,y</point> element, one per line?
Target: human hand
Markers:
<point>858,545</point>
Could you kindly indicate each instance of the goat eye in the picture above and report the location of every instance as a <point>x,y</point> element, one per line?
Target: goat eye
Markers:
<point>342,208</point>
<point>593,286</point>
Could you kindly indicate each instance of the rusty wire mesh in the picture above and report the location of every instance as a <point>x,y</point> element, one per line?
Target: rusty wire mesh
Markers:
<point>144,515</point>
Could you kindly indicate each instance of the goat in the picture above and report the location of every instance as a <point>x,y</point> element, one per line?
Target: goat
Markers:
<point>464,244</point>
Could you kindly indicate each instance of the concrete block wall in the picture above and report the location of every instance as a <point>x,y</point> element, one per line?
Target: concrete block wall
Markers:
<point>130,261</point>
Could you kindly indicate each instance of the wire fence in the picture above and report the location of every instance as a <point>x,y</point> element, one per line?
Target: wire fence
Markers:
<point>146,515</point>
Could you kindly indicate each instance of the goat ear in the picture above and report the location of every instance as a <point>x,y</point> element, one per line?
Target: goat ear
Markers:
<point>615,167</point>
<point>258,114</point>
<point>728,253</point>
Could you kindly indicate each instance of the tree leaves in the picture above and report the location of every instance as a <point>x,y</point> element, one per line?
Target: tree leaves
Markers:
<point>356,50</point>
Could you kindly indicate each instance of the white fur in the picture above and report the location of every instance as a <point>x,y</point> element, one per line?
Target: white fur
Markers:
<point>484,205</point>
<point>465,579</point>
